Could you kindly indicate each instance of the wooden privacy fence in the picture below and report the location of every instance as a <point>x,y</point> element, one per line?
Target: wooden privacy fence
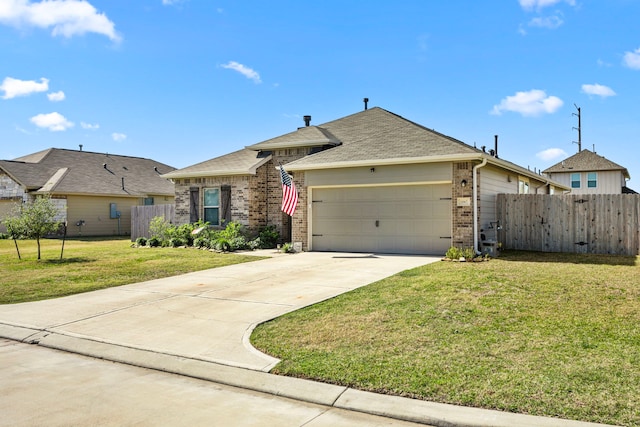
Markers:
<point>141,217</point>
<point>600,224</point>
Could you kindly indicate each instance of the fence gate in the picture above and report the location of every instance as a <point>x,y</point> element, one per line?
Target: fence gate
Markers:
<point>599,223</point>
<point>141,217</point>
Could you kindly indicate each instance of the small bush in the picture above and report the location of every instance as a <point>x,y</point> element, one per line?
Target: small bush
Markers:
<point>154,242</point>
<point>201,242</point>
<point>141,241</point>
<point>4,236</point>
<point>222,244</point>
<point>457,253</point>
<point>176,242</point>
<point>269,237</point>
<point>239,243</point>
<point>287,248</point>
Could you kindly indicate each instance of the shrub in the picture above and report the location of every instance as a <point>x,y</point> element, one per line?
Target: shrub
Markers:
<point>176,242</point>
<point>223,244</point>
<point>154,242</point>
<point>201,242</point>
<point>457,253</point>
<point>269,237</point>
<point>141,241</point>
<point>3,236</point>
<point>160,228</point>
<point>239,243</point>
<point>287,248</point>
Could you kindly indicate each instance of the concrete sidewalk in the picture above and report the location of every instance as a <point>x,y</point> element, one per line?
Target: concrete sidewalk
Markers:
<point>198,324</point>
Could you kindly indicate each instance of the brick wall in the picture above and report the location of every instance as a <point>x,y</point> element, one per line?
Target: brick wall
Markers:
<point>462,215</point>
<point>256,200</point>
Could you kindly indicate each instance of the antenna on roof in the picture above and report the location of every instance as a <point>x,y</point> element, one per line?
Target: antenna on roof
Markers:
<point>579,128</point>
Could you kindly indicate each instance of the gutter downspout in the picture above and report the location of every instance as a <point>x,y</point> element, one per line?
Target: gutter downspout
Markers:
<point>475,204</point>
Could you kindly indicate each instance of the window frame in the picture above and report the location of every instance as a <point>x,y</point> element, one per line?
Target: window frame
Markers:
<point>523,184</point>
<point>206,207</point>
<point>574,181</point>
<point>594,180</point>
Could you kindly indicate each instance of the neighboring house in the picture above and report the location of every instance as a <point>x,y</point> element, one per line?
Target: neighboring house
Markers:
<point>369,182</point>
<point>589,173</point>
<point>94,192</point>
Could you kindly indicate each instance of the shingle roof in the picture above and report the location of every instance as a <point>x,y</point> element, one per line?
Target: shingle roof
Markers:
<point>61,171</point>
<point>377,134</point>
<point>308,136</point>
<point>585,161</point>
<point>241,162</point>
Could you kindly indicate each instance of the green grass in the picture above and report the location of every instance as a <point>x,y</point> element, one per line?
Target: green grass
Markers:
<point>92,264</point>
<point>546,334</point>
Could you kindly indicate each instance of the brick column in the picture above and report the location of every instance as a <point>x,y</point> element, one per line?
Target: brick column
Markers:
<point>462,215</point>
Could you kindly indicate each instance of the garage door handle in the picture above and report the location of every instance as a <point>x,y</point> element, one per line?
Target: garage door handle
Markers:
<point>317,235</point>
<point>445,237</point>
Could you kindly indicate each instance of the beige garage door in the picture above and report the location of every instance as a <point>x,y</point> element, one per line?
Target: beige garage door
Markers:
<point>406,219</point>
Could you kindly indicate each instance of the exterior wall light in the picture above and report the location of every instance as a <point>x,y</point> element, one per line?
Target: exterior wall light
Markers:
<point>463,183</point>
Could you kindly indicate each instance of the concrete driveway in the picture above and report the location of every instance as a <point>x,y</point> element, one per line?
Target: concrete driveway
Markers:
<point>206,315</point>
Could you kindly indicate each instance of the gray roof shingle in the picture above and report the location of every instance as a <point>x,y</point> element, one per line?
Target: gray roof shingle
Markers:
<point>241,162</point>
<point>585,161</point>
<point>377,134</point>
<point>62,171</point>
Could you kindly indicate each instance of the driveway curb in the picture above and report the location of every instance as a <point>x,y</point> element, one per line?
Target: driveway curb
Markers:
<point>400,408</point>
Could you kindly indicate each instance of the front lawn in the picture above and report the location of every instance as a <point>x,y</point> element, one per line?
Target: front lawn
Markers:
<point>546,334</point>
<point>90,264</point>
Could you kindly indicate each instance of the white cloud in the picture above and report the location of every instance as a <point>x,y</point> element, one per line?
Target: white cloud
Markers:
<point>244,70</point>
<point>632,59</point>
<point>532,103</point>
<point>118,136</point>
<point>89,126</point>
<point>599,90</point>
<point>56,96</point>
<point>65,17</point>
<point>551,154</point>
<point>55,122</point>
<point>14,87</point>
<point>172,2</point>
<point>551,22</point>
<point>541,4</point>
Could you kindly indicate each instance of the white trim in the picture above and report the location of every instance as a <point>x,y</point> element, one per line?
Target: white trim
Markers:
<point>385,184</point>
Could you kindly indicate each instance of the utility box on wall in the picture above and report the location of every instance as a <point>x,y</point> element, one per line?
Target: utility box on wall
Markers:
<point>113,211</point>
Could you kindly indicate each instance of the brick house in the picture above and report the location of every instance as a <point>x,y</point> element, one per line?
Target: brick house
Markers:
<point>368,182</point>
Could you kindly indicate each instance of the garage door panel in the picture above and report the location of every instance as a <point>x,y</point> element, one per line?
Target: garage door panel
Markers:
<point>395,219</point>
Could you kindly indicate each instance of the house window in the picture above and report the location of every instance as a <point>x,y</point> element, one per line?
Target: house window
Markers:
<point>148,201</point>
<point>592,179</point>
<point>523,185</point>
<point>212,206</point>
<point>575,180</point>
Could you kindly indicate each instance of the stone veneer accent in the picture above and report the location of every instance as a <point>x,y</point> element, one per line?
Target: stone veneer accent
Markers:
<point>9,189</point>
<point>462,215</point>
<point>255,199</point>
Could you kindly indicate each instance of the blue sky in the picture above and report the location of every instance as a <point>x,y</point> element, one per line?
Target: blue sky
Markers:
<point>187,80</point>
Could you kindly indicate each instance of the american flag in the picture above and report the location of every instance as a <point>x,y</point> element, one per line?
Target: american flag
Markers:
<point>289,193</point>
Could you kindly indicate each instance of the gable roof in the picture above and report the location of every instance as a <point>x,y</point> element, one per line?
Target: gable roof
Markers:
<point>377,134</point>
<point>586,161</point>
<point>62,171</point>
<point>241,162</point>
<point>308,136</point>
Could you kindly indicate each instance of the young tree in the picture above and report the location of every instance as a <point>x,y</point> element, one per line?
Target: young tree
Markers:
<point>38,219</point>
<point>15,227</point>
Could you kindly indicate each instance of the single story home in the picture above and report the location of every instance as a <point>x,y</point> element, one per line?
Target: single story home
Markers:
<point>372,181</point>
<point>94,192</point>
<point>587,172</point>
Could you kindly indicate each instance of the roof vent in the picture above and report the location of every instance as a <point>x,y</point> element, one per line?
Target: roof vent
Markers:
<point>80,147</point>
<point>307,120</point>
<point>366,102</point>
